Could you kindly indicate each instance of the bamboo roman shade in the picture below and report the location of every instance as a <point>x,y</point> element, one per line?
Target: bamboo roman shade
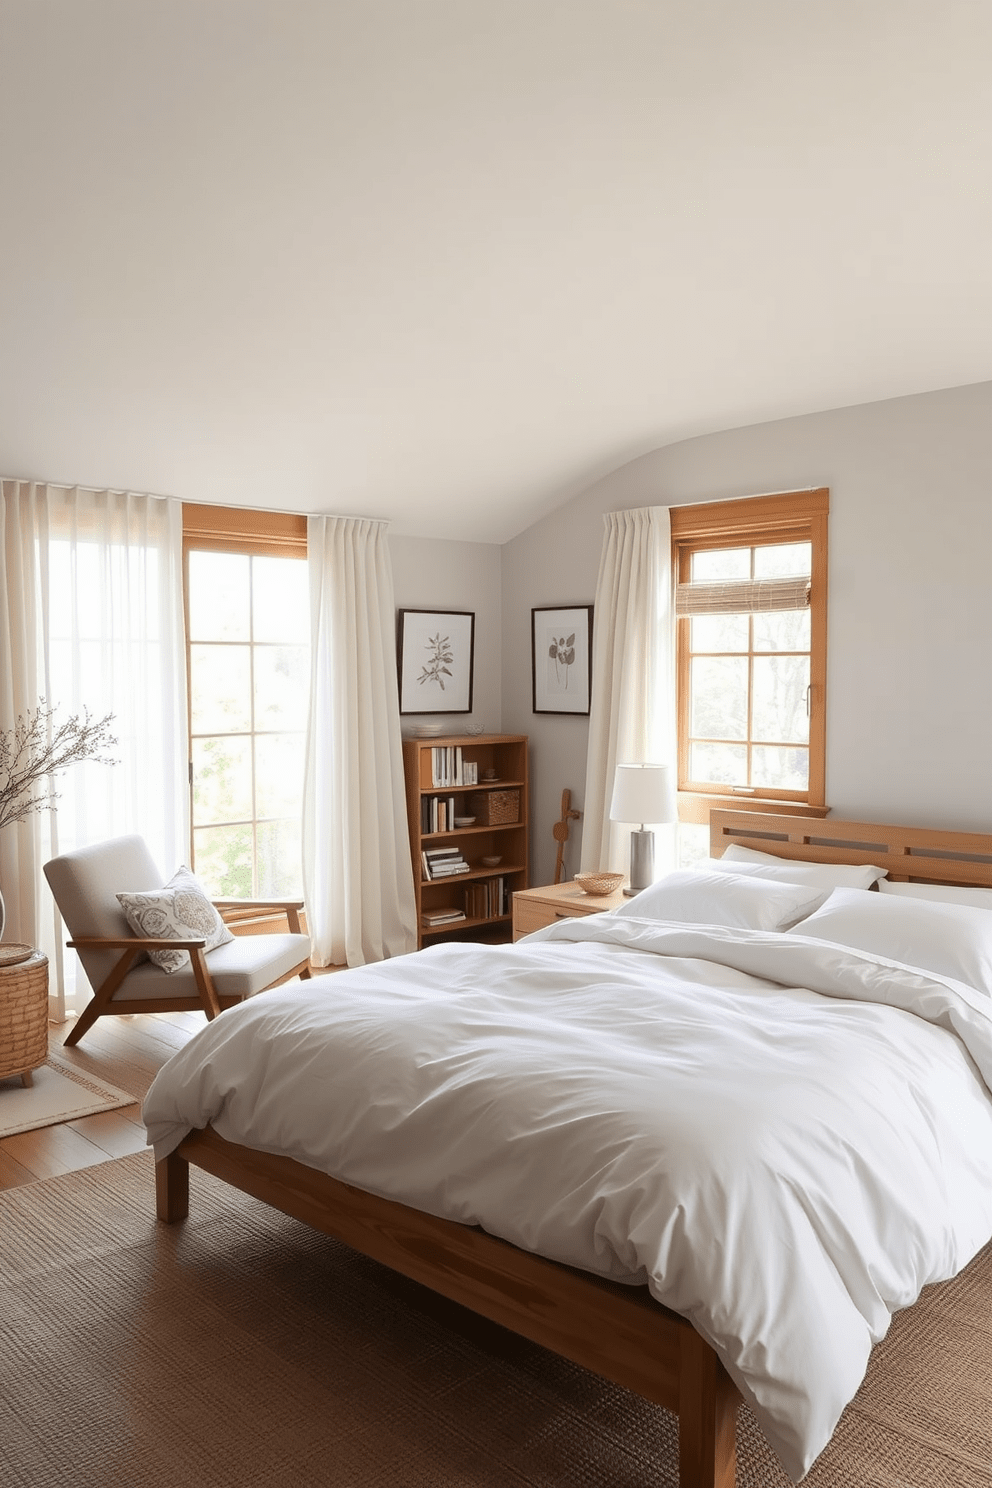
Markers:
<point>743,596</point>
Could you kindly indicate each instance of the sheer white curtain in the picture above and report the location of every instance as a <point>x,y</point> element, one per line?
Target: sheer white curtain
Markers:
<point>91,617</point>
<point>357,876</point>
<point>632,710</point>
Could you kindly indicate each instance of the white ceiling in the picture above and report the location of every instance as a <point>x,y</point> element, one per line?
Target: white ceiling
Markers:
<point>448,261</point>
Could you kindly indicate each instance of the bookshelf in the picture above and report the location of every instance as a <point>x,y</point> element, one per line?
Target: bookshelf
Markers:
<point>446,783</point>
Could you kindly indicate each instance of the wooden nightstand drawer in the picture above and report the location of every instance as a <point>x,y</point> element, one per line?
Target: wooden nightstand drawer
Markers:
<point>529,916</point>
<point>535,908</point>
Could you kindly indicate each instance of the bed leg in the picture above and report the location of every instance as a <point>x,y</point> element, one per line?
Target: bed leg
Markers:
<point>172,1188</point>
<point>708,1401</point>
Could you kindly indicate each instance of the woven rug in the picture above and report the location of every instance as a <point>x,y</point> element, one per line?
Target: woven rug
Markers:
<point>243,1350</point>
<point>59,1092</point>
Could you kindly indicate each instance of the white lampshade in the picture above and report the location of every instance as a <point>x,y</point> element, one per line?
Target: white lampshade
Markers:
<point>644,793</point>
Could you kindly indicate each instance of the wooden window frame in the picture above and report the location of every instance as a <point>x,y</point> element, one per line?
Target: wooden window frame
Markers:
<point>232,529</point>
<point>786,516</point>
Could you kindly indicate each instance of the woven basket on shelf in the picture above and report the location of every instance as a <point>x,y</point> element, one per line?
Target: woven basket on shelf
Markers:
<point>496,808</point>
<point>23,1009</point>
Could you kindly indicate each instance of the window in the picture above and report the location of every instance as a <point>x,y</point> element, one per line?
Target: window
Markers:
<point>751,651</point>
<point>248,636</point>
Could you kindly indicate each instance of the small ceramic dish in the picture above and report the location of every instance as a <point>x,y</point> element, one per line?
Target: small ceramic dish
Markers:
<point>464,821</point>
<point>491,862</point>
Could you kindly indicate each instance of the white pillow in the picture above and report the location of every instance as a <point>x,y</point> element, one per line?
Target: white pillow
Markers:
<point>952,940</point>
<point>830,875</point>
<point>691,897</point>
<point>946,893</point>
<point>180,911</point>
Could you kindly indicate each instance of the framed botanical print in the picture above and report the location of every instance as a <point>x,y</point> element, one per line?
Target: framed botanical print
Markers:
<point>561,659</point>
<point>435,653</point>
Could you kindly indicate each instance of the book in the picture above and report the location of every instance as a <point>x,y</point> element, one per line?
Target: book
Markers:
<point>432,921</point>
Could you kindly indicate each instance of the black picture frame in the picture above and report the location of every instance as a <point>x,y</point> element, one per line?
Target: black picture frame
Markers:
<point>435,656</point>
<point>561,659</point>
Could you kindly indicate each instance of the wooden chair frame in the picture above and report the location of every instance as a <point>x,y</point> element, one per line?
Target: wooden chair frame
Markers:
<point>103,1002</point>
<point>616,1331</point>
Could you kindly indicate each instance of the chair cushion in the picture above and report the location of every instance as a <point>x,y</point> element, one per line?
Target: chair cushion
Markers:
<point>85,884</point>
<point>245,965</point>
<point>181,911</point>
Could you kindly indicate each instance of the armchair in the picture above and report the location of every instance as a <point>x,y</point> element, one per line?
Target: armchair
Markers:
<point>85,885</point>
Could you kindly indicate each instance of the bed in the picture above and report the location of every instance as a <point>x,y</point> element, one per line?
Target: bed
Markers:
<point>583,1305</point>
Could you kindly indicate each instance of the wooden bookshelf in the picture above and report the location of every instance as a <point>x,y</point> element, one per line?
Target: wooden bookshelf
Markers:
<point>439,788</point>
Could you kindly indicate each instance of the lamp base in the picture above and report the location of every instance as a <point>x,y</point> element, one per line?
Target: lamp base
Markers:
<point>641,861</point>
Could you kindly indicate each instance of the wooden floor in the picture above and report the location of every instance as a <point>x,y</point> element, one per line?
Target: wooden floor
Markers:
<point>125,1051</point>
<point>128,1052</point>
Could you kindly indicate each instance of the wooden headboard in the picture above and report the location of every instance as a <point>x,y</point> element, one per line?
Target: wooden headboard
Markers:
<point>908,854</point>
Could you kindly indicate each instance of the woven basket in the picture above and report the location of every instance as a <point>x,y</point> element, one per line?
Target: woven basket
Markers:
<point>599,883</point>
<point>496,808</point>
<point>23,1011</point>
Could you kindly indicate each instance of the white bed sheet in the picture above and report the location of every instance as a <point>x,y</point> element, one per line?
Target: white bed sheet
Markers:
<point>784,1139</point>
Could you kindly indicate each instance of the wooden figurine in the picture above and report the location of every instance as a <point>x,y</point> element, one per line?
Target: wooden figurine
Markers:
<point>561,830</point>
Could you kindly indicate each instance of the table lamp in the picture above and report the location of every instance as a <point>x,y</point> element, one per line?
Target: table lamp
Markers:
<point>643,793</point>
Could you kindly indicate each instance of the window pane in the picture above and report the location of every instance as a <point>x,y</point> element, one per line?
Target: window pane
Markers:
<point>224,861</point>
<point>249,692</point>
<point>281,600</point>
<point>718,697</point>
<point>278,774</point>
<point>718,764</point>
<point>218,597</point>
<point>778,708</point>
<point>780,769</point>
<point>692,843</point>
<point>220,689</point>
<point>718,633</point>
<point>282,687</point>
<point>280,865</point>
<point>779,560</point>
<point>782,630</point>
<point>721,563</point>
<point>221,780</point>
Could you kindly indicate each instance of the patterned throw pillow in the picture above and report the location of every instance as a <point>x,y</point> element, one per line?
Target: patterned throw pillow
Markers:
<point>181,911</point>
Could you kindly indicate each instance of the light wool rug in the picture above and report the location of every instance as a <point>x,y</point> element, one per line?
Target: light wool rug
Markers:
<point>243,1350</point>
<point>60,1092</point>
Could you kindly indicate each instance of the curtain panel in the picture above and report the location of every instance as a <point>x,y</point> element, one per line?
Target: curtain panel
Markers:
<point>91,617</point>
<point>632,709</point>
<point>357,874</point>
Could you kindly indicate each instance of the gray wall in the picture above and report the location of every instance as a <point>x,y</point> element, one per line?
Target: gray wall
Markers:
<point>909,660</point>
<point>428,574</point>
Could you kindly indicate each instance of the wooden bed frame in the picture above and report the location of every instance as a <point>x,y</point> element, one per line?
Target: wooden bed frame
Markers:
<point>617,1331</point>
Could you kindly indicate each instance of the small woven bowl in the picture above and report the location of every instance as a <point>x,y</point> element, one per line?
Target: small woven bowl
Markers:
<point>492,861</point>
<point>599,883</point>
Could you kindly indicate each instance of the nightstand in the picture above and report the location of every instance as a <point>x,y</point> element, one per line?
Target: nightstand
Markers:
<point>535,908</point>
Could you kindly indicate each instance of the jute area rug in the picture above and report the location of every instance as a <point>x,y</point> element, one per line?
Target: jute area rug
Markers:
<point>242,1349</point>
<point>58,1092</point>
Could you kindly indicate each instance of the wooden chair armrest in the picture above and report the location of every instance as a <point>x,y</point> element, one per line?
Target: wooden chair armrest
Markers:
<point>240,911</point>
<point>131,942</point>
<point>222,904</point>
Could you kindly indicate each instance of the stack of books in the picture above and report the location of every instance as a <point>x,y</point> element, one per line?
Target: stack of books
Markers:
<point>434,917</point>
<point>448,767</point>
<point>437,814</point>
<point>443,862</point>
<point>488,900</point>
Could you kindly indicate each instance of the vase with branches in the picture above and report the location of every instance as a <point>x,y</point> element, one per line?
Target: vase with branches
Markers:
<point>36,750</point>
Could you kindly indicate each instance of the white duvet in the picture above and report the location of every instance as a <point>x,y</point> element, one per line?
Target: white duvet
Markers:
<point>784,1139</point>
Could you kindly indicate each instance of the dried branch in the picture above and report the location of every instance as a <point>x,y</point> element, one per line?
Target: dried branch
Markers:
<point>35,750</point>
